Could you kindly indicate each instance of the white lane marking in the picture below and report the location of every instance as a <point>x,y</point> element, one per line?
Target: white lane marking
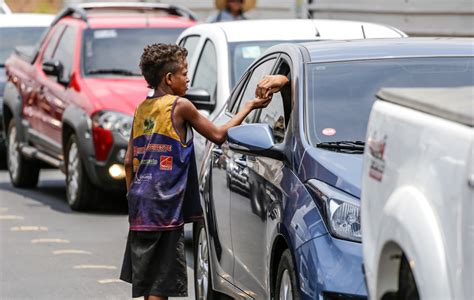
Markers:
<point>71,251</point>
<point>95,267</point>
<point>114,280</point>
<point>11,217</point>
<point>59,241</point>
<point>29,228</point>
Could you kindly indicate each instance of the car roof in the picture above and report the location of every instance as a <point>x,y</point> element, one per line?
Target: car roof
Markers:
<point>325,51</point>
<point>295,29</point>
<point>25,20</point>
<point>118,20</point>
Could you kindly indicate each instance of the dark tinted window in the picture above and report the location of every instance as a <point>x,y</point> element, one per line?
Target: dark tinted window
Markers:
<point>341,94</point>
<point>274,115</point>
<point>65,51</point>
<point>18,36</point>
<point>121,48</point>
<point>53,42</point>
<point>249,92</point>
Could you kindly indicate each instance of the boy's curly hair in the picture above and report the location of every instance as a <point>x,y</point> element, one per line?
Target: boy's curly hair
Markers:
<point>159,59</point>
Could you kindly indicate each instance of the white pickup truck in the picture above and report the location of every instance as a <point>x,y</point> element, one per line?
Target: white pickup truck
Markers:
<point>417,194</point>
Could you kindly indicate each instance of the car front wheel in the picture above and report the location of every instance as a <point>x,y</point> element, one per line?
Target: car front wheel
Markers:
<point>202,274</point>
<point>80,191</point>
<point>286,287</point>
<point>24,173</point>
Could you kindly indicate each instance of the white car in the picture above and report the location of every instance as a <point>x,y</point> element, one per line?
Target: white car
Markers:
<point>219,53</point>
<point>16,30</point>
<point>418,187</point>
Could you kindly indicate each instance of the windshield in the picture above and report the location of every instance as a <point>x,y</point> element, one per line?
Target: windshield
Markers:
<point>11,37</point>
<point>242,54</point>
<point>117,51</point>
<point>341,94</point>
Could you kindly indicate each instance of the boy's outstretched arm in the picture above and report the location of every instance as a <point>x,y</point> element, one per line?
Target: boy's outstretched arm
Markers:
<point>185,111</point>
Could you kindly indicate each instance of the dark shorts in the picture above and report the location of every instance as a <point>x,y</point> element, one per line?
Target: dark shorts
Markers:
<point>155,263</point>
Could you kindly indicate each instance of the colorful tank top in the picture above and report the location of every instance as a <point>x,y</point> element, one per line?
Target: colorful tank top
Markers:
<point>164,193</point>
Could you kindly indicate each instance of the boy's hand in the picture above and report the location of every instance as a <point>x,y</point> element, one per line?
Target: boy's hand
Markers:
<point>260,102</point>
<point>270,84</point>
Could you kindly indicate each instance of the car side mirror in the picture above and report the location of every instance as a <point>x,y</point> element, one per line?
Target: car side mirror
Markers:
<point>54,68</point>
<point>255,139</point>
<point>201,99</point>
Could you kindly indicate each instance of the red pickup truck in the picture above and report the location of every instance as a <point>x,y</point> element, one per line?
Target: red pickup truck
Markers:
<point>70,104</point>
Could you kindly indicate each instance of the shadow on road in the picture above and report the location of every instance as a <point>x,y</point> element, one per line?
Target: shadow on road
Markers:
<point>52,193</point>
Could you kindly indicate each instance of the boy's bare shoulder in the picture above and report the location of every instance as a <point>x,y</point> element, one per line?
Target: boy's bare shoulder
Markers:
<point>185,105</point>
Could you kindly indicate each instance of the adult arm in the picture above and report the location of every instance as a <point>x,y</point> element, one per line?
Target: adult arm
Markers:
<point>270,84</point>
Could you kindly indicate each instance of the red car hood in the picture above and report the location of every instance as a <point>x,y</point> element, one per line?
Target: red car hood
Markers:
<point>117,94</point>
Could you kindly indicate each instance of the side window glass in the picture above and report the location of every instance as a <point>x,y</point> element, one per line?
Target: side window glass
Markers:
<point>274,115</point>
<point>205,75</point>
<point>249,92</point>
<point>53,41</point>
<point>190,44</point>
<point>65,51</point>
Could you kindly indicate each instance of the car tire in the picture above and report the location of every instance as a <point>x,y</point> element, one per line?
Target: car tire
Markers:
<point>202,275</point>
<point>407,285</point>
<point>286,287</point>
<point>80,192</point>
<point>24,172</point>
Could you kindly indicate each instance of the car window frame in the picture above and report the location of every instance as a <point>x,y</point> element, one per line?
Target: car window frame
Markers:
<point>67,77</point>
<point>249,74</point>
<point>56,29</point>
<point>213,94</point>
<point>283,58</point>
<point>182,43</point>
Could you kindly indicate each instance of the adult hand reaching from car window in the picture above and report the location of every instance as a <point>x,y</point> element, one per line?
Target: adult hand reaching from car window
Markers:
<point>269,85</point>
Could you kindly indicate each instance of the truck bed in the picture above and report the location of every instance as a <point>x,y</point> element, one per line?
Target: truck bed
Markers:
<point>459,108</point>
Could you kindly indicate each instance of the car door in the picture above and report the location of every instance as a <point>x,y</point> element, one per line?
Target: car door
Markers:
<point>220,174</point>
<point>55,92</point>
<point>247,212</point>
<point>31,104</point>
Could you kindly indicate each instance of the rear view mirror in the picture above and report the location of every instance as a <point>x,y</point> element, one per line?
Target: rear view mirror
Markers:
<point>201,99</point>
<point>53,68</point>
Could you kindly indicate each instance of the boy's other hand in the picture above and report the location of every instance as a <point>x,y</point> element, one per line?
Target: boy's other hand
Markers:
<point>270,84</point>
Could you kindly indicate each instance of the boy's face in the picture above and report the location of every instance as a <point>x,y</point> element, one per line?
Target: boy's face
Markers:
<point>179,80</point>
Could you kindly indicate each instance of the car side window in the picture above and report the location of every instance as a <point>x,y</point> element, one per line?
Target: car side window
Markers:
<point>53,41</point>
<point>65,51</point>
<point>249,91</point>
<point>190,43</point>
<point>277,113</point>
<point>205,75</point>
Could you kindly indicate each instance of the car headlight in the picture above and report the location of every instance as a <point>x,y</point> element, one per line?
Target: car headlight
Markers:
<point>340,210</point>
<point>114,121</point>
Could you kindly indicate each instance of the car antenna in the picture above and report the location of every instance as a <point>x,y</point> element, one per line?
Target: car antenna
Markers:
<point>309,16</point>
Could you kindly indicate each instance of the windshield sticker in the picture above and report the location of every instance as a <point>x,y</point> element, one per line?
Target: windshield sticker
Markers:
<point>105,34</point>
<point>329,131</point>
<point>377,151</point>
<point>251,52</point>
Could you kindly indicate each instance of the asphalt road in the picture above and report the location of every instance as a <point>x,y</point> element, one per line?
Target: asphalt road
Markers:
<point>48,251</point>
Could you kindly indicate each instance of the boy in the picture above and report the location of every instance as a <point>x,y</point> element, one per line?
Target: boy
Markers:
<point>161,174</point>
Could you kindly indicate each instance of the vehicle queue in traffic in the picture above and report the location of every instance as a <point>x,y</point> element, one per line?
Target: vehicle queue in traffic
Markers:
<point>281,198</point>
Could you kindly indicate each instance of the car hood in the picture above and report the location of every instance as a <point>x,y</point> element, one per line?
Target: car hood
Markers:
<point>341,170</point>
<point>117,94</point>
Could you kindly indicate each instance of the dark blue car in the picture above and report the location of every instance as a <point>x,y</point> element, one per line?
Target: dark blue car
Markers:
<point>281,196</point>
